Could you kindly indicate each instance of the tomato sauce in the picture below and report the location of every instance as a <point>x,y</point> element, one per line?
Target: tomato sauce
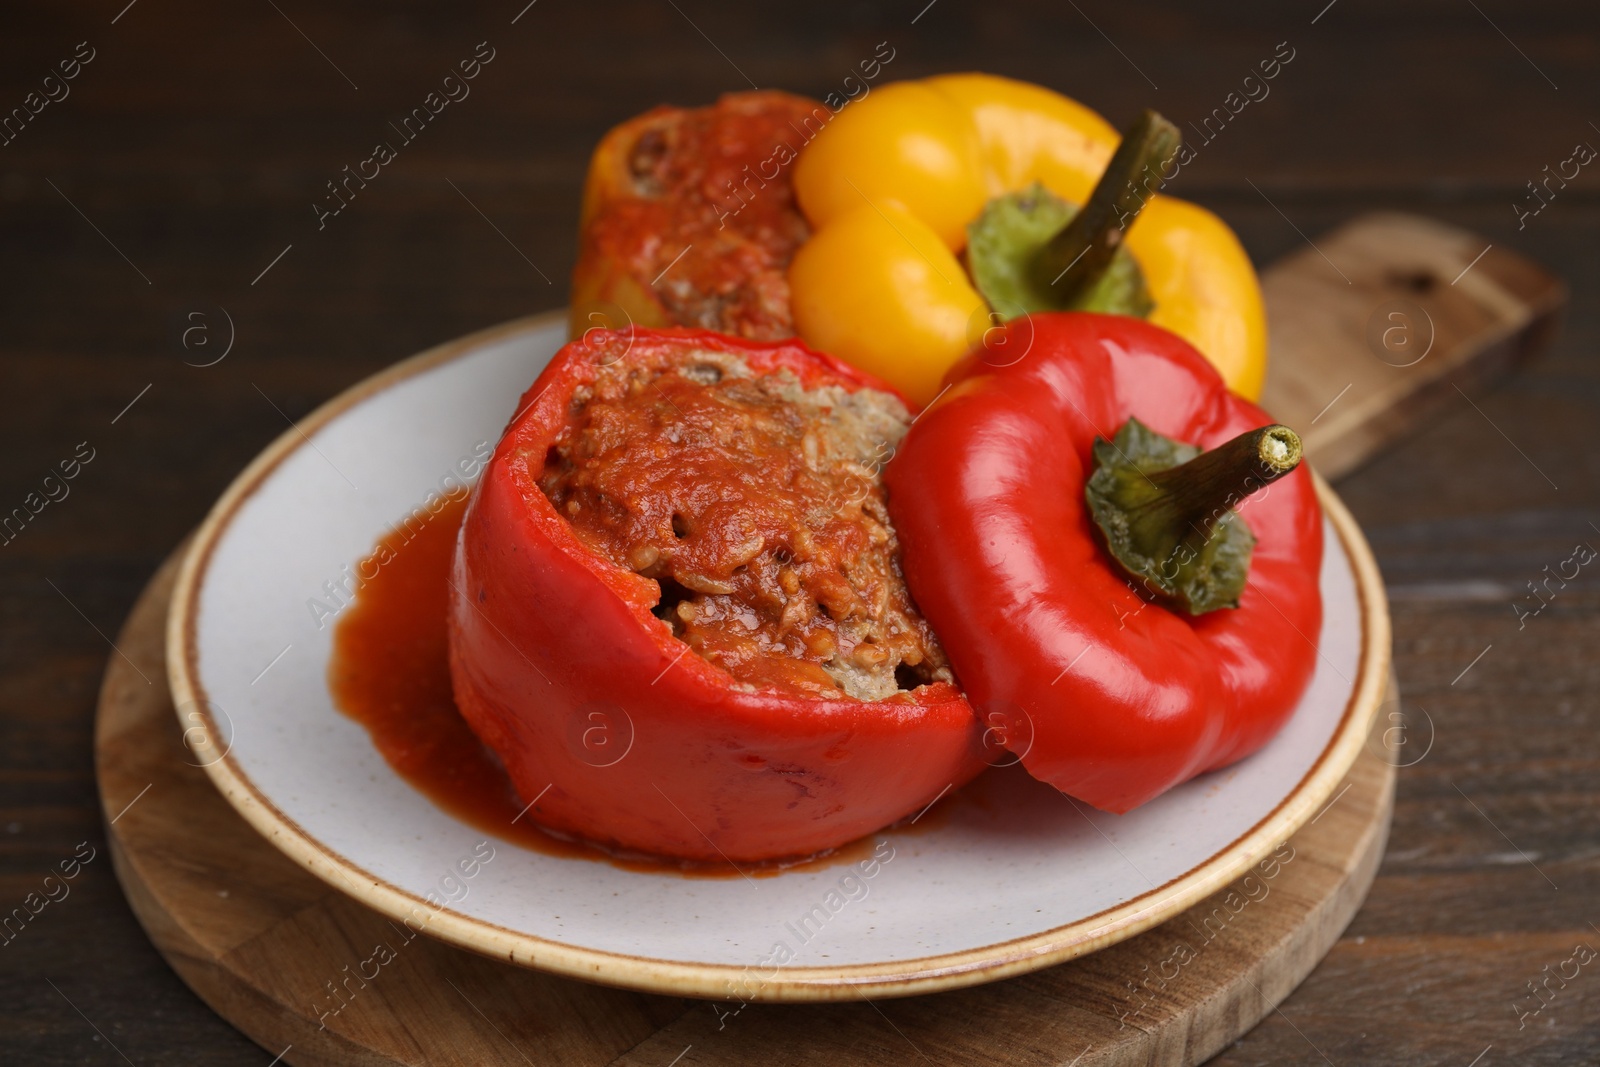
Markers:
<point>390,672</point>
<point>700,211</point>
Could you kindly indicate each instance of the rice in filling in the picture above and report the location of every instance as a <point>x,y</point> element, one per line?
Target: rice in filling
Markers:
<point>757,507</point>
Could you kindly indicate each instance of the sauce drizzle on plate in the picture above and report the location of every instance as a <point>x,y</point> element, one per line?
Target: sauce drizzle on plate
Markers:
<point>390,672</point>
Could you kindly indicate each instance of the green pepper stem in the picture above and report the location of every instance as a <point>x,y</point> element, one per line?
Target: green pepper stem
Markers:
<point>1194,496</point>
<point>1077,256</point>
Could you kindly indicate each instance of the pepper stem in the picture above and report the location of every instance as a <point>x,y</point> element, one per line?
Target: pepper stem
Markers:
<point>1075,258</point>
<point>1192,497</point>
<point>1167,510</point>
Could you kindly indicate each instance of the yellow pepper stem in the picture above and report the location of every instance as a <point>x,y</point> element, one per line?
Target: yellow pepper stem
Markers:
<point>1081,252</point>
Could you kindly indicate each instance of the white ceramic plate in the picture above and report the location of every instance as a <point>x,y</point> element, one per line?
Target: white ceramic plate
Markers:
<point>1026,879</point>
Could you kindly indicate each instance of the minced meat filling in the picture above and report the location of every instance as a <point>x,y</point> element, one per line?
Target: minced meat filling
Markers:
<point>693,176</point>
<point>757,506</point>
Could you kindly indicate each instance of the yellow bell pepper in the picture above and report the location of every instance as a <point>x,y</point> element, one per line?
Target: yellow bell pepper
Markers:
<point>1029,133</point>
<point>891,185</point>
<point>881,270</point>
<point>1204,287</point>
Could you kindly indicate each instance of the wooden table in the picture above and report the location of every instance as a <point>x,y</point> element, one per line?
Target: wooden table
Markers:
<point>165,205</point>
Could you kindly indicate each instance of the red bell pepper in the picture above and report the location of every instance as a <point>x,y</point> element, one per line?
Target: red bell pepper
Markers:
<point>1110,683</point>
<point>609,726</point>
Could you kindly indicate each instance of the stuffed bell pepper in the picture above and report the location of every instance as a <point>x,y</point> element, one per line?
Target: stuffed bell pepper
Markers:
<point>678,614</point>
<point>689,218</point>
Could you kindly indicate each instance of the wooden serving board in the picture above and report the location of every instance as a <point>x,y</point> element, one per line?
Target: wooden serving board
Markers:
<point>1389,318</point>
<point>257,937</point>
<point>260,940</point>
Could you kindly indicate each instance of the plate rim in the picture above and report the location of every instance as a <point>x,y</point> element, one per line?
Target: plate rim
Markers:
<point>927,974</point>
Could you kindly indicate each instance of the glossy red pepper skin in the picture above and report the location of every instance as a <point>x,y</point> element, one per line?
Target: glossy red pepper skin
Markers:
<point>1107,697</point>
<point>610,726</point>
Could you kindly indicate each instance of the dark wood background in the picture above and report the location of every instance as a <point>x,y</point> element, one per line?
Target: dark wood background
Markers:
<point>192,147</point>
